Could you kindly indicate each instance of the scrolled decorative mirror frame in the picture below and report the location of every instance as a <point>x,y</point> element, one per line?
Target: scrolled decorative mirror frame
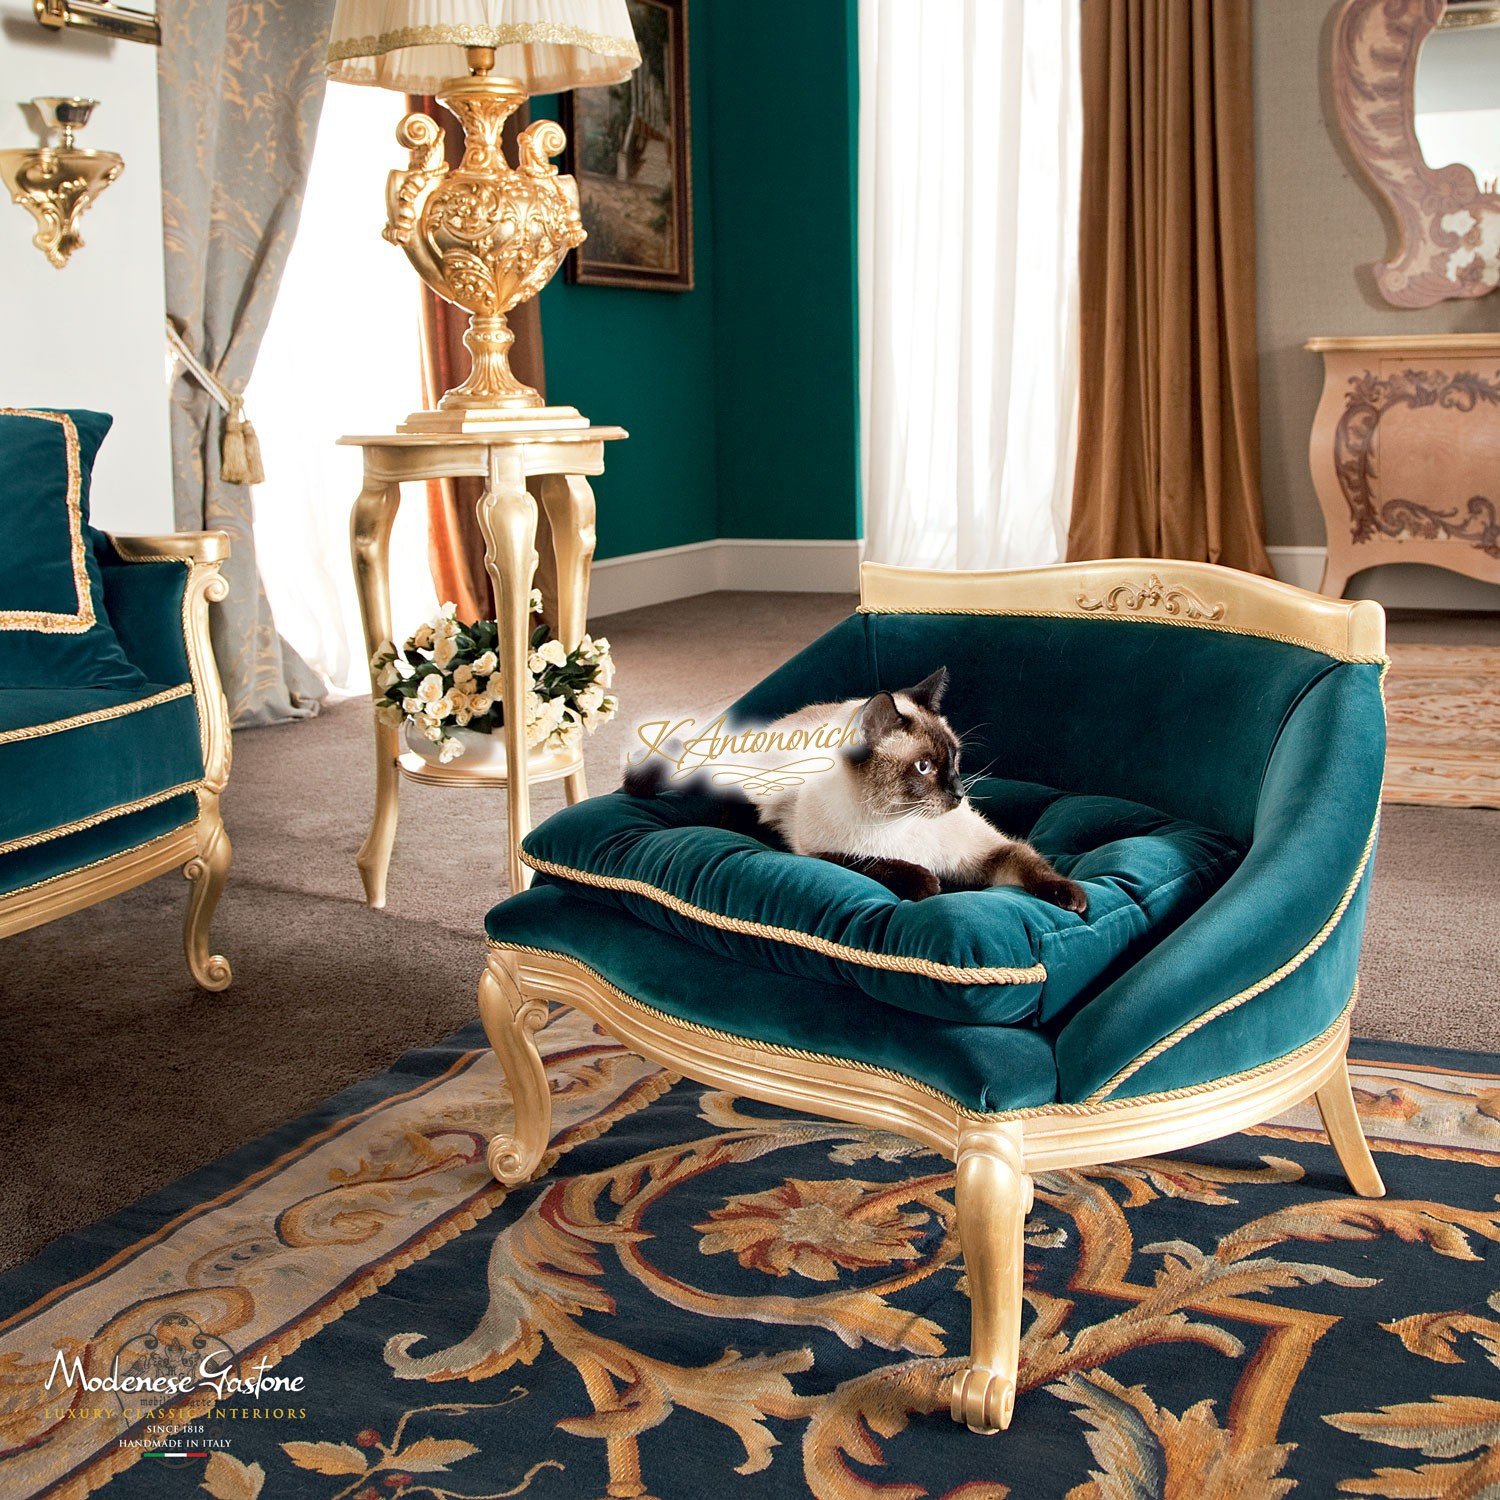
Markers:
<point>1449,230</point>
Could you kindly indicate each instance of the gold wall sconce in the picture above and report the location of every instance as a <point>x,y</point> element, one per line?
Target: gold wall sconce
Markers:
<point>56,183</point>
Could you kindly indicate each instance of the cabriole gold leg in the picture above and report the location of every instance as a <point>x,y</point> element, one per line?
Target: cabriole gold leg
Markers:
<point>369,539</point>
<point>511,1022</point>
<point>569,502</point>
<point>206,871</point>
<point>507,521</point>
<point>993,1197</point>
<point>1341,1121</point>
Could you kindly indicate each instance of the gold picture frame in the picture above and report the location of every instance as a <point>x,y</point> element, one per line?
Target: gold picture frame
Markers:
<point>630,151</point>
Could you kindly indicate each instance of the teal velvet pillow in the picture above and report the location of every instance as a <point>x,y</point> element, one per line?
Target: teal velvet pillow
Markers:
<point>997,956</point>
<point>54,630</point>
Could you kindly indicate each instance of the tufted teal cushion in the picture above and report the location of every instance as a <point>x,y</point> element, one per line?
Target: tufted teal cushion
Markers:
<point>984,1068</point>
<point>996,956</point>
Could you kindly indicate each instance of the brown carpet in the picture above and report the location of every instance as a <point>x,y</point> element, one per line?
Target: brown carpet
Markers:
<point>120,1075</point>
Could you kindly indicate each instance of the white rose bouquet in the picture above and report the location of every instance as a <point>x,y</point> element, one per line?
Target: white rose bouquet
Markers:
<point>447,677</point>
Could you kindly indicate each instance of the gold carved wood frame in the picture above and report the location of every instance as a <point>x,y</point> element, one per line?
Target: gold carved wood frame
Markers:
<point>996,1155</point>
<point>1448,230</point>
<point>200,849</point>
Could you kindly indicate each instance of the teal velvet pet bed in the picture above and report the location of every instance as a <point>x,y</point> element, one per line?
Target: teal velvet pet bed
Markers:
<point>1201,749</point>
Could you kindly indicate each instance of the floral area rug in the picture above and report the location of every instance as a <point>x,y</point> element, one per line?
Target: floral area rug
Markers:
<point>707,1297</point>
<point>1443,712</point>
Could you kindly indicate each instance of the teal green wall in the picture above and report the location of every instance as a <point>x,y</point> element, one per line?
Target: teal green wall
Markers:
<point>644,361</point>
<point>784,127</point>
<point>741,396</point>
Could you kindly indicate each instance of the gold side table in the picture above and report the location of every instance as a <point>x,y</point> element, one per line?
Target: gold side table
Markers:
<point>563,458</point>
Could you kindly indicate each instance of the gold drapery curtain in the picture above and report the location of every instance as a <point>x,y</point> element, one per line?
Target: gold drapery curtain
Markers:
<point>1169,408</point>
<point>454,546</point>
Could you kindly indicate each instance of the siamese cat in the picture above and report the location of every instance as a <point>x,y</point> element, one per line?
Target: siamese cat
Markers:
<point>894,808</point>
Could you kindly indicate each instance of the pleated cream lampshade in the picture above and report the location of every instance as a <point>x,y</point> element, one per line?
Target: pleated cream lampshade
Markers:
<point>415,46</point>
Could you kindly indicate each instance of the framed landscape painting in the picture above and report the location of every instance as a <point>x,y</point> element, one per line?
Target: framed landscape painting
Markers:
<point>629,149</point>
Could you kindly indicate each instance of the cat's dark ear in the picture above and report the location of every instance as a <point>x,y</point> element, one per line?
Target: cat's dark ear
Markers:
<point>878,718</point>
<point>928,693</point>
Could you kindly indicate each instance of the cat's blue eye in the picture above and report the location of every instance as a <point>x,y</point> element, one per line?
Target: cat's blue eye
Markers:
<point>923,768</point>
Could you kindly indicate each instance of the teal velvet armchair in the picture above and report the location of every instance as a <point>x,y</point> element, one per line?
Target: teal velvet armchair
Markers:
<point>1202,750</point>
<point>114,731</point>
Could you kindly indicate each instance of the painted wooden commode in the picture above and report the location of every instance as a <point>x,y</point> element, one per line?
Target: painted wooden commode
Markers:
<point>1406,453</point>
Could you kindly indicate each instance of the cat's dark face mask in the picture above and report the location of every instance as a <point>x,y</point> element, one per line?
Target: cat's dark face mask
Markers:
<point>910,756</point>
<point>932,776</point>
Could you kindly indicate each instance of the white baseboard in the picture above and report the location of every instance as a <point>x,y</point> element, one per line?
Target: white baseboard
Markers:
<point>760,565</point>
<point>1302,566</point>
<point>642,579</point>
<point>1397,586</point>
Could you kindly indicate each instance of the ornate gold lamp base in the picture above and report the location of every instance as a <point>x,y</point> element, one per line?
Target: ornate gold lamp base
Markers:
<point>484,236</point>
<point>493,397</point>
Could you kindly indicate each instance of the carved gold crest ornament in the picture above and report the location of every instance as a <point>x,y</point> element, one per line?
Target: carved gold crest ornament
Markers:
<point>1174,599</point>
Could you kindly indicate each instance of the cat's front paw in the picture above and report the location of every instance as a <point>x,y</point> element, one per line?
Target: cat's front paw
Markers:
<point>1067,894</point>
<point>916,884</point>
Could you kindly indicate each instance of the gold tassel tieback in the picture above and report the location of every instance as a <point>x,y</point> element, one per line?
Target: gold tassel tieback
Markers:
<point>239,454</point>
<point>240,458</point>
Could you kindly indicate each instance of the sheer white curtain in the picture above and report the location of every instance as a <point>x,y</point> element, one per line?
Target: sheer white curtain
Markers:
<point>970,134</point>
<point>342,354</point>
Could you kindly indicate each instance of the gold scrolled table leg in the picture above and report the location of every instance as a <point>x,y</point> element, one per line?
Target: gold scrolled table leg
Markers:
<point>369,541</point>
<point>569,502</point>
<point>993,1195</point>
<point>507,521</point>
<point>511,1022</point>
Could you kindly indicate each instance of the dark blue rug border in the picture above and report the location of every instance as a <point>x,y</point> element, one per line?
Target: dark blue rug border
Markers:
<point>80,1251</point>
<point>1455,1059</point>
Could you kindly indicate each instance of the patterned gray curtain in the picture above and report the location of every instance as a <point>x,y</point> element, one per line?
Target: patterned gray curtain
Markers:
<point>241,88</point>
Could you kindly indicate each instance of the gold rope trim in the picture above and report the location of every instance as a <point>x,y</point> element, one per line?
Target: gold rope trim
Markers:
<point>49,622</point>
<point>1024,1112</point>
<point>1258,988</point>
<point>925,967</point>
<point>98,716</point>
<point>468,34</point>
<point>1112,619</point>
<point>120,810</point>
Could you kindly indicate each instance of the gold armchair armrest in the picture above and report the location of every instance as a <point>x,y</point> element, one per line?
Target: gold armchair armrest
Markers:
<point>178,546</point>
<point>205,553</point>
